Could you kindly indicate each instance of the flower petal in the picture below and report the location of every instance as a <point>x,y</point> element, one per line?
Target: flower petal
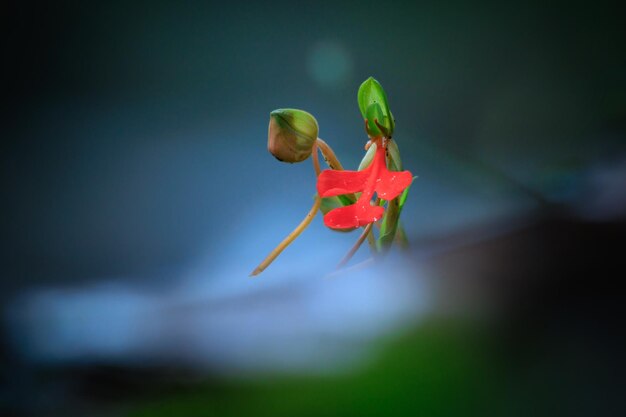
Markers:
<point>376,178</point>
<point>355,215</point>
<point>331,182</point>
<point>390,184</point>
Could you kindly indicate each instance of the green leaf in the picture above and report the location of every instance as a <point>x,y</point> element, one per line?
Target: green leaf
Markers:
<point>373,106</point>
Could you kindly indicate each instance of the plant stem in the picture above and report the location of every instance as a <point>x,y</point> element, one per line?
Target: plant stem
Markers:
<point>290,238</point>
<point>298,230</point>
<point>356,246</point>
<point>316,160</point>
<point>352,268</point>
<point>329,155</point>
<point>333,163</point>
<point>367,233</point>
<point>371,241</point>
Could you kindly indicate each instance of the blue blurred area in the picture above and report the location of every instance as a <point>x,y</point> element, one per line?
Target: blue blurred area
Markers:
<point>137,193</point>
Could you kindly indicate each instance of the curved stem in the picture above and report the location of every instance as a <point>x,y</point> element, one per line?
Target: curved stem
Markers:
<point>356,246</point>
<point>357,267</point>
<point>298,230</point>
<point>329,155</point>
<point>367,233</point>
<point>316,160</point>
<point>290,238</point>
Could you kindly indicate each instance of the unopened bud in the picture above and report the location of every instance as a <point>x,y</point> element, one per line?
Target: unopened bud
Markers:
<point>374,108</point>
<point>292,134</point>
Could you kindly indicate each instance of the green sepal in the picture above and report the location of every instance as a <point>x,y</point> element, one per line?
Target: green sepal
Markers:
<point>388,226</point>
<point>394,156</point>
<point>389,223</point>
<point>404,195</point>
<point>373,105</point>
<point>375,121</point>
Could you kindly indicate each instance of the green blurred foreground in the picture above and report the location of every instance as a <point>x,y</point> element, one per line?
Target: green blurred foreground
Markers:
<point>441,369</point>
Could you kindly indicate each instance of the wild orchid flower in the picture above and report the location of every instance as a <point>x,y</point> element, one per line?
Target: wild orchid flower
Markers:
<point>292,137</point>
<point>376,178</point>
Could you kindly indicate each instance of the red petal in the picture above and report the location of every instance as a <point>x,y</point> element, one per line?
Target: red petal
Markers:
<point>355,215</point>
<point>375,178</point>
<point>390,184</point>
<point>331,182</point>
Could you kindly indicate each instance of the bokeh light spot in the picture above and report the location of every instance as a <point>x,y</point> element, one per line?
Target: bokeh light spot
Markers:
<point>329,64</point>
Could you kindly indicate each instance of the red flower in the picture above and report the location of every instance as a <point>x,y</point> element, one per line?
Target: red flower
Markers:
<point>374,179</point>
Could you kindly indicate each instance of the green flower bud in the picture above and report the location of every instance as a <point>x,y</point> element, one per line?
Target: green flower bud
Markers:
<point>292,134</point>
<point>374,108</point>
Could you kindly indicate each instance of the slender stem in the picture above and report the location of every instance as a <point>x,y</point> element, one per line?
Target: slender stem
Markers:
<point>298,230</point>
<point>316,160</point>
<point>356,246</point>
<point>367,233</point>
<point>371,241</point>
<point>359,266</point>
<point>329,155</point>
<point>290,238</point>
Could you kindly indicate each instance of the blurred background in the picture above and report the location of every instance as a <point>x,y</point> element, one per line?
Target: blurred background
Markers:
<point>137,195</point>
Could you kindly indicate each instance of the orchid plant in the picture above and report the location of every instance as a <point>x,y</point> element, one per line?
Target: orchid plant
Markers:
<point>371,196</point>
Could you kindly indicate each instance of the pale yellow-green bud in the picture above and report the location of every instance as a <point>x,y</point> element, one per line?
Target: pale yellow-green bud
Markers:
<point>292,134</point>
<point>369,156</point>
